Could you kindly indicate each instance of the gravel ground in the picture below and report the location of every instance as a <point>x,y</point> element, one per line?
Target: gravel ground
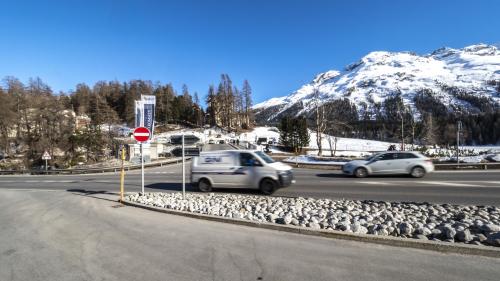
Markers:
<point>479,225</point>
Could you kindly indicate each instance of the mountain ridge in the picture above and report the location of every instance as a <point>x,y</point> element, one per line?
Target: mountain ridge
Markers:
<point>465,80</point>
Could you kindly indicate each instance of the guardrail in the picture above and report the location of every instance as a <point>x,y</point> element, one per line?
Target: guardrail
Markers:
<point>439,167</point>
<point>91,170</point>
<point>467,166</point>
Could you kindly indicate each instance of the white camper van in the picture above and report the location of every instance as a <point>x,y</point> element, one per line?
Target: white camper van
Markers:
<point>239,169</point>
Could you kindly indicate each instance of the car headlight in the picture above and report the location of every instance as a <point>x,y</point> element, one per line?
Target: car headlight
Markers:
<point>284,173</point>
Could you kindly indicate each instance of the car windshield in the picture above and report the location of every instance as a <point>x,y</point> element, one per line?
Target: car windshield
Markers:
<point>264,157</point>
<point>372,157</point>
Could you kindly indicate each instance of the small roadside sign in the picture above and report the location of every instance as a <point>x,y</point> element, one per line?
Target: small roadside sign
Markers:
<point>141,134</point>
<point>46,156</point>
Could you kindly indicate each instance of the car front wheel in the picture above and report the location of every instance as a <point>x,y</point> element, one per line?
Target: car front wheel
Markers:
<point>268,186</point>
<point>360,173</point>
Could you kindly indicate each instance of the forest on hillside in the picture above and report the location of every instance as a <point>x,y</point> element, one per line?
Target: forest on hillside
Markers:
<point>428,122</point>
<point>33,118</point>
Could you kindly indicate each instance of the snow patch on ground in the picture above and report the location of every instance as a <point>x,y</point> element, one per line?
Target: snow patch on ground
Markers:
<point>305,159</point>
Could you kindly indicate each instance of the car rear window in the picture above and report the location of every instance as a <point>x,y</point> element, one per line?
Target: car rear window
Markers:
<point>405,155</point>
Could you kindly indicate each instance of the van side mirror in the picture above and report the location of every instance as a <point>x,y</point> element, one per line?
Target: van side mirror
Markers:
<point>256,163</point>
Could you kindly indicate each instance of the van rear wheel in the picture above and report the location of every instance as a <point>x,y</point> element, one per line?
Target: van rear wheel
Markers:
<point>268,186</point>
<point>204,185</point>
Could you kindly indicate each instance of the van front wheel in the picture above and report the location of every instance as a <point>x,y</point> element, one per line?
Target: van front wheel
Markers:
<point>204,185</point>
<point>268,186</point>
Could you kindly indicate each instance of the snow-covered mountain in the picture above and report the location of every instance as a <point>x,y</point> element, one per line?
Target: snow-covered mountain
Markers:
<point>461,79</point>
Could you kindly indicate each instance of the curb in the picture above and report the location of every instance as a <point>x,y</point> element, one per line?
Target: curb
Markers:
<point>443,247</point>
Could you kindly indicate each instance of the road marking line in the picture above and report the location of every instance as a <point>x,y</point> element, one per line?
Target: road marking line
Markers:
<point>493,182</point>
<point>30,189</point>
<point>447,183</point>
<point>44,181</point>
<point>375,182</point>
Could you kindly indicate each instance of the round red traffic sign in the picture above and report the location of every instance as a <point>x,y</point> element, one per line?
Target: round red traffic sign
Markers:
<point>141,134</point>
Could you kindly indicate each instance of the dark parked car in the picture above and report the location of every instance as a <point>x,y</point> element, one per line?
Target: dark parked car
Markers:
<point>188,139</point>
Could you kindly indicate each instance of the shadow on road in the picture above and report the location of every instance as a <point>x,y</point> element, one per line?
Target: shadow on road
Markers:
<point>92,193</point>
<point>173,186</point>
<point>332,175</point>
<point>177,186</point>
<point>351,177</point>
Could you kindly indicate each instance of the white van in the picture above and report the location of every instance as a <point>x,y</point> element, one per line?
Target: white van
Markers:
<point>239,169</point>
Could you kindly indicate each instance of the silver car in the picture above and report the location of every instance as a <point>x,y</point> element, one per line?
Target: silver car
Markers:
<point>390,163</point>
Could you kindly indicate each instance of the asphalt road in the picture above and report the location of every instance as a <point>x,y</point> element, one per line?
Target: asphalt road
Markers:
<point>213,147</point>
<point>453,187</point>
<point>461,187</point>
<point>78,236</point>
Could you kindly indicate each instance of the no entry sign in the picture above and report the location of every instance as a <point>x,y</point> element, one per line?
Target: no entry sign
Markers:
<point>141,134</point>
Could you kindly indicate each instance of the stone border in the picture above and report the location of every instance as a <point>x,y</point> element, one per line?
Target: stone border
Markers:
<point>443,247</point>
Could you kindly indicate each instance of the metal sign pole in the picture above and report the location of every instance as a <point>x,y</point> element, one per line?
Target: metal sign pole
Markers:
<point>122,173</point>
<point>183,171</point>
<point>142,170</point>
<point>45,164</point>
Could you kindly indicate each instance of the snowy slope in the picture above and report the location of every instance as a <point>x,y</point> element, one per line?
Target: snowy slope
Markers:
<point>380,75</point>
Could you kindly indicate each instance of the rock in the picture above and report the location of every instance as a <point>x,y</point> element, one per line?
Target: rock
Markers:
<point>343,226</point>
<point>487,228</point>
<point>419,230</point>
<point>436,233</point>
<point>449,232</point>
<point>272,217</point>
<point>480,237</point>
<point>382,232</point>
<point>426,231</point>
<point>465,224</point>
<point>494,239</point>
<point>287,219</point>
<point>421,237</point>
<point>314,225</point>
<point>405,229</point>
<point>360,230</point>
<point>464,236</point>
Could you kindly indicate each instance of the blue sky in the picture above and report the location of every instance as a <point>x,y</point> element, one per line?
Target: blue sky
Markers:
<point>277,45</point>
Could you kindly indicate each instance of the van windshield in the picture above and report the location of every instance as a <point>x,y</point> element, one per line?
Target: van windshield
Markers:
<point>264,157</point>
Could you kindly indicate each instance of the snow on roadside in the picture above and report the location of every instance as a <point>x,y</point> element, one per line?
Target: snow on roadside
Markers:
<point>310,160</point>
<point>349,144</point>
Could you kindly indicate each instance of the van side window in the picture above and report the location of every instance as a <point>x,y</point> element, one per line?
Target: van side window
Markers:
<point>247,159</point>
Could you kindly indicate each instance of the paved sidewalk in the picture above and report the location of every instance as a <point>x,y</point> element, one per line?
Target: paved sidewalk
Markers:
<point>58,235</point>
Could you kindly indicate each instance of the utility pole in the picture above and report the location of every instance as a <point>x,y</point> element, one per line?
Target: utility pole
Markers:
<point>401,113</point>
<point>459,128</point>
<point>402,133</point>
